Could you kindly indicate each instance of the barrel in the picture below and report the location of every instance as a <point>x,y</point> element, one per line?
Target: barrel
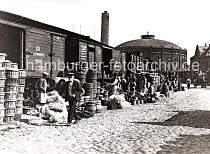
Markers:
<point>98,106</point>
<point>86,99</point>
<point>12,73</point>
<point>81,76</point>
<point>91,76</point>
<point>3,57</point>
<point>88,87</point>
<point>90,106</point>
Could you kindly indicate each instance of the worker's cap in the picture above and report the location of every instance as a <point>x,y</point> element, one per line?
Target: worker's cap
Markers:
<point>45,73</point>
<point>70,73</point>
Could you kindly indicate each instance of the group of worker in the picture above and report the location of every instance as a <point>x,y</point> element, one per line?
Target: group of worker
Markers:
<point>71,93</point>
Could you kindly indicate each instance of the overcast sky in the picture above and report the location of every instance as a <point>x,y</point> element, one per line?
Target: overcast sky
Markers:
<point>183,22</point>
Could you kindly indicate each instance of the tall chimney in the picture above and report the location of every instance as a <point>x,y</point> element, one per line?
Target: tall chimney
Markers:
<point>105,28</point>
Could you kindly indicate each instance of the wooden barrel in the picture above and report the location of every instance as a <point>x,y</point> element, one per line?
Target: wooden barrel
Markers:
<point>81,76</point>
<point>91,76</point>
<point>98,106</point>
<point>90,106</point>
<point>3,57</point>
<point>10,103</point>
<point>12,73</point>
<point>11,81</point>
<point>10,96</point>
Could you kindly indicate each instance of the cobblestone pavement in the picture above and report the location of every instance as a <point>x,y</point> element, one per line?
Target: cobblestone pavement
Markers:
<point>131,130</point>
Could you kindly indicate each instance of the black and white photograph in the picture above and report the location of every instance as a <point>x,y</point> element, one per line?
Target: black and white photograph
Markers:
<point>104,77</point>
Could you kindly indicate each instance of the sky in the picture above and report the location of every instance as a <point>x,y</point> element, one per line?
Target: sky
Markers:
<point>183,22</point>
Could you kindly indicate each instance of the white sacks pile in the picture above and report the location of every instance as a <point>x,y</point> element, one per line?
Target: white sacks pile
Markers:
<point>55,108</point>
<point>10,105</point>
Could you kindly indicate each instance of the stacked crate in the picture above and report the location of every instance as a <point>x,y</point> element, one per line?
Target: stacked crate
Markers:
<point>2,82</point>
<point>10,91</point>
<point>21,87</point>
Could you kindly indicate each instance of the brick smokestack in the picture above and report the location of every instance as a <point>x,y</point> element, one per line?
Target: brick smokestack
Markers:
<point>105,28</point>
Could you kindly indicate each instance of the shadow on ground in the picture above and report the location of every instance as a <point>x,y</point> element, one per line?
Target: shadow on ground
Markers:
<point>197,119</point>
<point>187,144</point>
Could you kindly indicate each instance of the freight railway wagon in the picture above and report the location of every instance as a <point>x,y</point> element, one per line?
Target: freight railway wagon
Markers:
<point>39,47</point>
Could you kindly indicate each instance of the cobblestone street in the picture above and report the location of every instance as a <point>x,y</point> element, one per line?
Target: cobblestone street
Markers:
<point>139,129</point>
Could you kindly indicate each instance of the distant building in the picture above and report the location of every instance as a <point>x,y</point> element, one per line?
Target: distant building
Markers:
<point>153,50</point>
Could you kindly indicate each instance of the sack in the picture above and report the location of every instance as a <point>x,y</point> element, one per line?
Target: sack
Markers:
<point>43,98</point>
